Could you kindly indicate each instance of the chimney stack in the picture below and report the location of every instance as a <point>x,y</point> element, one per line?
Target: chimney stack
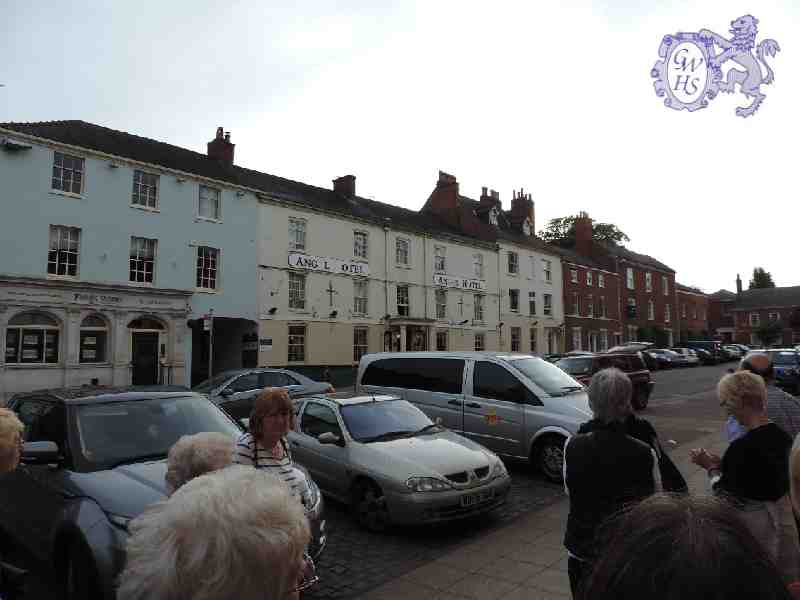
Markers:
<point>738,285</point>
<point>521,209</point>
<point>220,148</point>
<point>583,234</point>
<point>345,185</point>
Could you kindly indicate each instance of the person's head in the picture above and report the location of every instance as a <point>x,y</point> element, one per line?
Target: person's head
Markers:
<point>272,415</point>
<point>194,455</point>
<point>742,395</point>
<point>760,364</point>
<point>11,429</point>
<point>794,474</point>
<point>675,547</point>
<point>610,395</point>
<point>233,533</point>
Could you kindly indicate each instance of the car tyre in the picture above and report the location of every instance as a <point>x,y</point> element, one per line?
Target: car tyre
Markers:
<point>640,398</point>
<point>548,456</point>
<point>369,506</point>
<point>79,575</point>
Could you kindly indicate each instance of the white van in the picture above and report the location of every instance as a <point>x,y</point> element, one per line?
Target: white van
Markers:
<point>514,404</point>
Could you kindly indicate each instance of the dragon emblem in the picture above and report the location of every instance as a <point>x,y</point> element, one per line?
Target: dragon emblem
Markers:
<point>690,73</point>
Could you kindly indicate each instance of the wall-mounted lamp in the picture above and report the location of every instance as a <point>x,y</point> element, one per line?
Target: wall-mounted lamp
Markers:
<point>500,325</point>
<point>464,322</point>
<point>273,310</point>
<point>180,179</point>
<point>113,165</point>
<point>240,193</point>
<point>333,314</point>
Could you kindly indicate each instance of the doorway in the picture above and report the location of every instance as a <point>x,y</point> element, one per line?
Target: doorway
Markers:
<point>144,358</point>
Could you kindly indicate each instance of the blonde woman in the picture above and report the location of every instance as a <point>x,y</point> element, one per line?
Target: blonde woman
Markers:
<point>195,455</point>
<point>11,429</point>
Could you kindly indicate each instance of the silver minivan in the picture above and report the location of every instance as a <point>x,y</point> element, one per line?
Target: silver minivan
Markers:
<point>514,404</point>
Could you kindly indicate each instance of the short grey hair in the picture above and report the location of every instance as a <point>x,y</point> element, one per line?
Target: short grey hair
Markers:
<point>610,395</point>
<point>743,389</point>
<point>234,533</point>
<point>194,455</point>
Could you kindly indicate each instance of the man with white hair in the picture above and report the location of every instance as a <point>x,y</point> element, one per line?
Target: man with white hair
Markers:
<point>195,455</point>
<point>233,533</point>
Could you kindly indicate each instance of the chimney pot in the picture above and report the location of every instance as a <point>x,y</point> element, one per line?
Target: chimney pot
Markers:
<point>220,148</point>
<point>345,185</point>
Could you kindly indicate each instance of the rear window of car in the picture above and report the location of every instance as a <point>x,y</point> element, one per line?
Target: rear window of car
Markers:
<point>785,358</point>
<point>443,375</point>
<point>576,366</point>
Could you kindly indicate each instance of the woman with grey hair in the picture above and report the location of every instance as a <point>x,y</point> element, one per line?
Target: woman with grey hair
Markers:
<point>195,455</point>
<point>234,533</point>
<point>605,470</point>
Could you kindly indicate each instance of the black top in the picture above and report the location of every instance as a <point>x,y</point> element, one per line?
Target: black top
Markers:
<point>756,465</point>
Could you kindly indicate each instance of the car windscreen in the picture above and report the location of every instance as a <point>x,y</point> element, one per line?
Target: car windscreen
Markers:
<point>784,358</point>
<point>375,419</point>
<point>576,366</point>
<point>214,382</point>
<point>118,432</point>
<point>547,376</point>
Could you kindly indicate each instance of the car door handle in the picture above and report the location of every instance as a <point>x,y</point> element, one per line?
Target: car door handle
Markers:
<point>473,405</point>
<point>455,402</point>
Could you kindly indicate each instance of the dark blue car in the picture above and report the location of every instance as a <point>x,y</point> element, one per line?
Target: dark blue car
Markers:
<point>787,369</point>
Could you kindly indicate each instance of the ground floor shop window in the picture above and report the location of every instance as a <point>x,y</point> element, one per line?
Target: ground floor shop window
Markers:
<point>441,341</point>
<point>297,343</point>
<point>480,342</point>
<point>516,339</point>
<point>360,345</point>
<point>533,341</point>
<point>93,340</point>
<point>32,338</point>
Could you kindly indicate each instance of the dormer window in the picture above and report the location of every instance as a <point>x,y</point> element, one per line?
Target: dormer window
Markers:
<point>526,227</point>
<point>493,215</point>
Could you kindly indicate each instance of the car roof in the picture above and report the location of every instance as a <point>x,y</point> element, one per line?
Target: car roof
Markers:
<point>104,394</point>
<point>448,354</point>
<point>351,398</point>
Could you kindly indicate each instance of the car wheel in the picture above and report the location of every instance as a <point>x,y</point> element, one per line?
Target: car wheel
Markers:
<point>79,575</point>
<point>369,506</point>
<point>640,398</point>
<point>549,457</point>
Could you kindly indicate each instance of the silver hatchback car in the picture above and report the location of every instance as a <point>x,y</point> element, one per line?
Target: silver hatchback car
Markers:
<point>391,463</point>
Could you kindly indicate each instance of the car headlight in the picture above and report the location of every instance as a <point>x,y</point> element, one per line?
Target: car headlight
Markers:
<point>427,484</point>
<point>499,469</point>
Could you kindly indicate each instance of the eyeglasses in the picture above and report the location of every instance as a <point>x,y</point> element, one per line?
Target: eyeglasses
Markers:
<point>286,413</point>
<point>310,577</point>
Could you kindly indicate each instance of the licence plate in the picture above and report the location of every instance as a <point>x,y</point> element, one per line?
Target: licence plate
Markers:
<point>479,498</point>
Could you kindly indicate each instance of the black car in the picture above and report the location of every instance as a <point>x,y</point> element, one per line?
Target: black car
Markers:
<point>94,459</point>
<point>583,367</point>
<point>235,391</point>
<point>786,363</point>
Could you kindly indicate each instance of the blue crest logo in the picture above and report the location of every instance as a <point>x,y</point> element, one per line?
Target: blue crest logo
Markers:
<point>690,72</point>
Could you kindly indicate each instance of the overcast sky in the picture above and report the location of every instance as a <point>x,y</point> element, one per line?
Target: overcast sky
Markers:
<point>555,98</point>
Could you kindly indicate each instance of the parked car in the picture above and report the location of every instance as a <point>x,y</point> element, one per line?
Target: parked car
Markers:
<point>583,367</point>
<point>393,465</point>
<point>638,348</point>
<point>94,459</point>
<point>786,365</point>
<point>733,351</point>
<point>713,347</point>
<point>235,391</point>
<point>706,358</point>
<point>692,360</point>
<point>514,404</point>
<point>667,359</point>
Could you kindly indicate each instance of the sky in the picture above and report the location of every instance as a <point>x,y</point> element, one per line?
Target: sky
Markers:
<point>552,97</point>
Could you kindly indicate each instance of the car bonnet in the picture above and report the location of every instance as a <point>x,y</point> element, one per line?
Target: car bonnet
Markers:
<point>126,490</point>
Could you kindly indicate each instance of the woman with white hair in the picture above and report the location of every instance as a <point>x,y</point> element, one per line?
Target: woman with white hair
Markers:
<point>11,429</point>
<point>195,455</point>
<point>233,533</point>
<point>605,469</point>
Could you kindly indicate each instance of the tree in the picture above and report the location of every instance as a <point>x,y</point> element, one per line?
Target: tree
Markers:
<point>761,279</point>
<point>561,231</point>
<point>769,332</point>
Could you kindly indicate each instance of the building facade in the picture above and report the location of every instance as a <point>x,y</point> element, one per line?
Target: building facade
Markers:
<point>693,306</point>
<point>720,315</point>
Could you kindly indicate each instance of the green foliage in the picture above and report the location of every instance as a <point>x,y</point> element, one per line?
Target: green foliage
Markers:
<point>761,279</point>
<point>769,332</point>
<point>561,232</point>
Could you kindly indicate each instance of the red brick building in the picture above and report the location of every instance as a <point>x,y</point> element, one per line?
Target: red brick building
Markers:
<point>693,311</point>
<point>755,308</point>
<point>720,315</point>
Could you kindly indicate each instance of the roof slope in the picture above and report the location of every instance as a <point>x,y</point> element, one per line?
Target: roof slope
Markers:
<point>785,297</point>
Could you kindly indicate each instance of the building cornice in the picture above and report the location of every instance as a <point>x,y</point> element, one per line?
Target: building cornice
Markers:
<point>81,285</point>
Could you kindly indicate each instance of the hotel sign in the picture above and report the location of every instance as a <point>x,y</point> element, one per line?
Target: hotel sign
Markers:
<point>478,285</point>
<point>328,265</point>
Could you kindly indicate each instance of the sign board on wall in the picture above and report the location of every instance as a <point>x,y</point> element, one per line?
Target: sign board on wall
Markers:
<point>328,265</point>
<point>265,343</point>
<point>478,285</point>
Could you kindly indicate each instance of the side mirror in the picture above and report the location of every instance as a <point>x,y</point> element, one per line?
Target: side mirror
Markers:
<point>40,453</point>
<point>226,392</point>
<point>438,420</point>
<point>330,438</point>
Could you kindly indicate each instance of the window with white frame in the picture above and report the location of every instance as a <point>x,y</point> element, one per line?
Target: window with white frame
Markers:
<point>573,275</point>
<point>683,310</point>
<point>576,338</point>
<point>360,244</point>
<point>631,333</point>
<point>297,291</point>
<point>755,319</point>
<point>441,340</point>
<point>694,311</point>
<point>477,265</point>
<point>590,306</point>
<point>665,285</point>
<point>64,251</point>
<point>67,173</point>
<point>513,263</point>
<point>297,343</point>
<point>93,340</point>
<point>145,189</point>
<point>648,282</point>
<point>651,310</point>
<point>360,345</point>
<point>209,204</point>
<point>547,270</point>
<point>143,260</point>
<point>631,307</point>
<point>548,305</point>
<point>516,339</point>
<point>533,346</point>
<point>480,342</point>
<point>207,268</point>
<point>603,340</point>
<point>297,234</point>
<point>403,307</point>
<point>401,253</point>
<point>667,313</point>
<point>576,304</point>
<point>441,304</point>
<point>439,260</point>
<point>602,307</point>
<point>532,304</point>
<point>32,338</point>
<point>629,277</point>
<point>360,302</point>
<point>478,299</point>
<point>513,300</point>
<point>773,316</point>
<point>588,278</point>
<point>601,280</point>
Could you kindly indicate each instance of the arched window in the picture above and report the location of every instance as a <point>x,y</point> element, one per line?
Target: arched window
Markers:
<point>145,323</point>
<point>94,340</point>
<point>32,338</point>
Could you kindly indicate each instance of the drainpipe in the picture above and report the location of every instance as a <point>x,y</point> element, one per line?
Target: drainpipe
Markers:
<point>386,268</point>
<point>499,300</point>
<point>425,275</point>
